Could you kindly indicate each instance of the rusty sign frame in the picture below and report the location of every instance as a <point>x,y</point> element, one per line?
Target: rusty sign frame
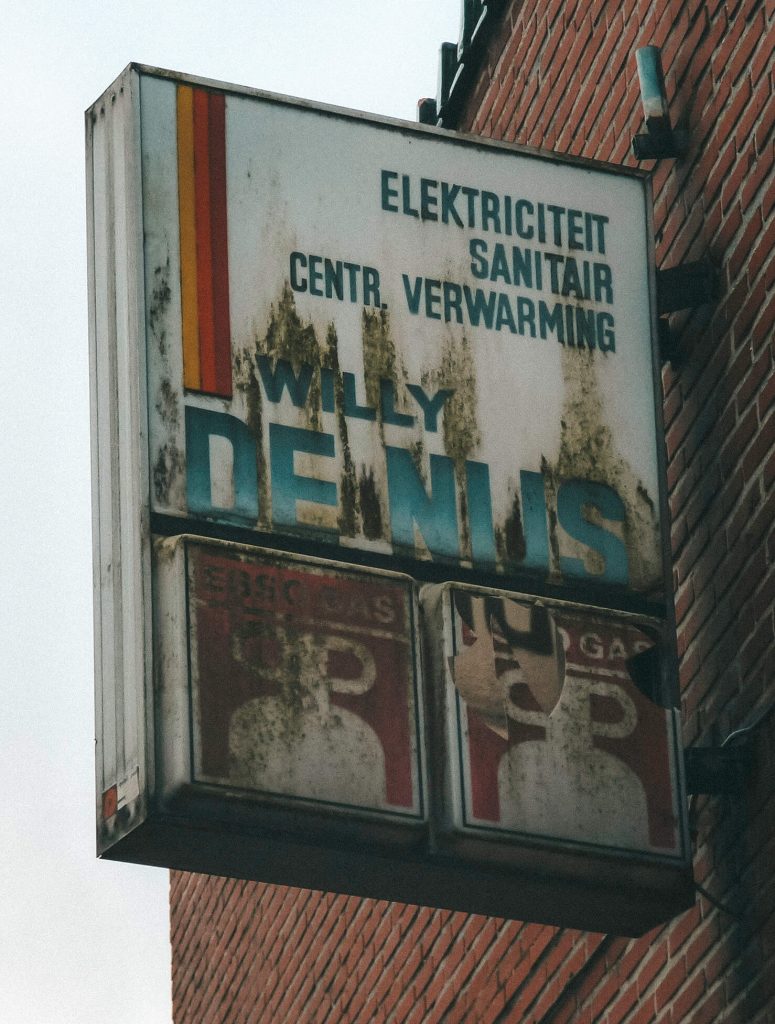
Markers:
<point>126,298</point>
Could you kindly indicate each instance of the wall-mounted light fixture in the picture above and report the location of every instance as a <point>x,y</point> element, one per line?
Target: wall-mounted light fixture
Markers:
<point>660,139</point>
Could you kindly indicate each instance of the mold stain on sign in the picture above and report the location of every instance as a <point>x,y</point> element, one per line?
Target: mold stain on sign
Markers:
<point>456,372</point>
<point>349,495</point>
<point>380,362</point>
<point>279,717</point>
<point>550,486</point>
<point>380,359</point>
<point>510,538</point>
<point>371,510</point>
<point>161,295</point>
<point>588,452</point>
<point>283,740</point>
<point>245,379</point>
<point>169,465</point>
<point>289,338</point>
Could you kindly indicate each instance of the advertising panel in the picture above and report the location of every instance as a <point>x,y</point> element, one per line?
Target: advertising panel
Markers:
<point>552,728</point>
<point>303,681</point>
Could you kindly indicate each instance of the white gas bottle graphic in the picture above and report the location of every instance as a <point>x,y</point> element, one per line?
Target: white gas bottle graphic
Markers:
<point>565,786</point>
<point>299,743</point>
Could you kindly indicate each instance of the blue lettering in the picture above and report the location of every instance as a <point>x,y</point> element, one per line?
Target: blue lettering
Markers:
<point>201,425</point>
<point>534,526</point>
<point>387,397</point>
<point>298,283</point>
<point>413,294</point>
<point>327,389</point>
<point>430,406</point>
<point>280,376</point>
<point>287,486</point>
<point>478,306</point>
<point>351,407</point>
<point>479,502</point>
<point>572,498</point>
<point>434,514</point>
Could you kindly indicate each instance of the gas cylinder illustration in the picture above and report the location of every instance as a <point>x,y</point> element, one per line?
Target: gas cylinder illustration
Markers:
<point>556,737</point>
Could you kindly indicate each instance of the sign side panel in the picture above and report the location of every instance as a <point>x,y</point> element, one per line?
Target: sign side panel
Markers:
<point>96,262</point>
<point>120,497</point>
<point>171,697</point>
<point>670,690</point>
<point>105,429</point>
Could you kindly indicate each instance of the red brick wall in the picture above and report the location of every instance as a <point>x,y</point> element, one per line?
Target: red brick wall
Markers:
<point>562,75</point>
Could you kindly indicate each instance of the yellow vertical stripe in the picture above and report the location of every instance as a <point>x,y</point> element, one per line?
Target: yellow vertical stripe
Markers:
<point>192,374</point>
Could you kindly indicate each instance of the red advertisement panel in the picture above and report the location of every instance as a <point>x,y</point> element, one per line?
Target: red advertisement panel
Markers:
<point>559,737</point>
<point>303,681</point>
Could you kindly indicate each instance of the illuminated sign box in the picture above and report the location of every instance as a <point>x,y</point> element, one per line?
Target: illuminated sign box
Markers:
<point>323,338</point>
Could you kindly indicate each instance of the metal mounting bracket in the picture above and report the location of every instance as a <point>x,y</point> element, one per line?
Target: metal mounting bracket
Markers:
<point>683,287</point>
<point>717,769</point>
<point>660,142</point>
<point>686,286</point>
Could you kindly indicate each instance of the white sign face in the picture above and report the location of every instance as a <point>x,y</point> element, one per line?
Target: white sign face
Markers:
<point>549,733</point>
<point>390,340</point>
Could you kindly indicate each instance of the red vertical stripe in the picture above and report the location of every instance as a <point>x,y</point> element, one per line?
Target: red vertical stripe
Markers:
<point>204,260</point>
<point>221,355</point>
<point>189,299</point>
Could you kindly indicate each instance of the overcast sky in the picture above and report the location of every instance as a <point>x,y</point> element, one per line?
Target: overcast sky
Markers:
<point>83,941</point>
